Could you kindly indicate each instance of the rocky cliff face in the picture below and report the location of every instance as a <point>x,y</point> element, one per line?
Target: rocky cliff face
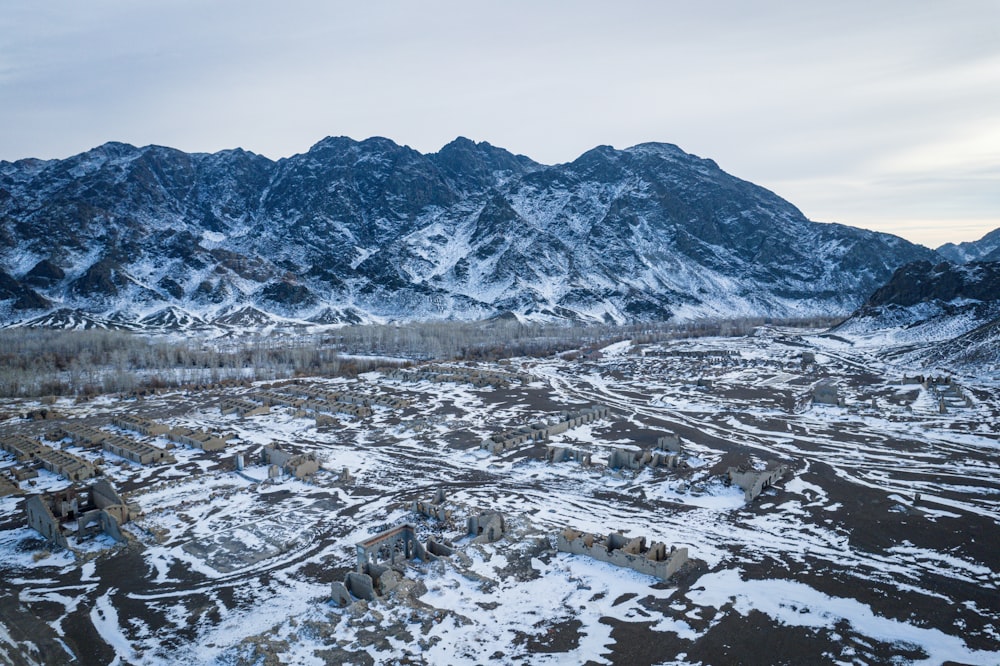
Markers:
<point>945,313</point>
<point>370,230</point>
<point>986,248</point>
<point>922,282</point>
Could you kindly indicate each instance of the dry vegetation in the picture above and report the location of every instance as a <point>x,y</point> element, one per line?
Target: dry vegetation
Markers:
<point>83,363</point>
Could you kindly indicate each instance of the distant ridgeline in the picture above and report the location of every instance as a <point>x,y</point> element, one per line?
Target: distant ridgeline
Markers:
<point>349,232</point>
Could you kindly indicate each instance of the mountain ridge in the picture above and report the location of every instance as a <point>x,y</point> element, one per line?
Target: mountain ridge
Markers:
<point>371,230</point>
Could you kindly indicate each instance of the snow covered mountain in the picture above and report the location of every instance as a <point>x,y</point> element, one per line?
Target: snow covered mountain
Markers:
<point>944,314</point>
<point>357,231</point>
<point>986,248</point>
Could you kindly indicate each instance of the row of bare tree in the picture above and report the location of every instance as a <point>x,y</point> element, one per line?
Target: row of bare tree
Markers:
<point>36,362</point>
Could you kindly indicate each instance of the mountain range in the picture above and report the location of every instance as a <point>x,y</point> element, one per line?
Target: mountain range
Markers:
<point>355,231</point>
<point>934,315</point>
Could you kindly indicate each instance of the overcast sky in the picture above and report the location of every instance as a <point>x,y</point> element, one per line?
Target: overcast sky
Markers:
<point>882,114</point>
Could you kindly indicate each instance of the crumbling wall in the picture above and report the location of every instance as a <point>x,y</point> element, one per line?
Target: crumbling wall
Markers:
<point>754,482</point>
<point>42,520</point>
<point>433,508</point>
<point>486,527</point>
<point>299,465</point>
<point>397,544</point>
<point>541,431</point>
<point>360,585</point>
<point>558,454</point>
<point>623,551</point>
<point>825,392</point>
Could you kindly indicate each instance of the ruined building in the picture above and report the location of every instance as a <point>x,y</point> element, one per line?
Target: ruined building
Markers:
<point>825,392</point>
<point>541,431</point>
<point>30,451</point>
<point>197,439</point>
<point>299,465</point>
<point>487,527</point>
<point>60,515</point>
<point>622,551</point>
<point>139,424</point>
<point>380,560</point>
<point>136,451</point>
<point>433,508</point>
<point>754,482</point>
<point>558,454</point>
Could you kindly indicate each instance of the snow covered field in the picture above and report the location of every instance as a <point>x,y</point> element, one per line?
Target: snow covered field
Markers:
<point>838,563</point>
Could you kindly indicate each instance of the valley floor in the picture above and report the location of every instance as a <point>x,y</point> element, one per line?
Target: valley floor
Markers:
<point>880,545</point>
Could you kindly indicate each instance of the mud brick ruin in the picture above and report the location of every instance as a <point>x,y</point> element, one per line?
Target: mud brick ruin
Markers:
<point>459,375</point>
<point>26,450</point>
<point>81,435</point>
<point>825,392</point>
<point>242,408</point>
<point>136,451</point>
<point>620,458</point>
<point>60,515</point>
<point>541,431</point>
<point>754,482</point>
<point>434,508</point>
<point>558,454</point>
<point>197,439</point>
<point>300,465</point>
<point>140,425</point>
<point>317,400</point>
<point>486,527</point>
<point>379,557</point>
<point>622,551</point>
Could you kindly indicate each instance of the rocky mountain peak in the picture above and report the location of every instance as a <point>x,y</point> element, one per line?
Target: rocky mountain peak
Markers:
<point>354,229</point>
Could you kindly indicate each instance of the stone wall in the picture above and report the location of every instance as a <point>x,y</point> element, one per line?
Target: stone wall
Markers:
<point>623,551</point>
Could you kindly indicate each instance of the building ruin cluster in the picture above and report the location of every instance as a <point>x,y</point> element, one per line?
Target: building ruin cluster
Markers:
<point>72,513</point>
<point>540,431</point>
<point>478,377</point>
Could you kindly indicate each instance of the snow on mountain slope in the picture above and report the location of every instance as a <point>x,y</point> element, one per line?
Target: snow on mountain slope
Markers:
<point>373,230</point>
<point>945,314</point>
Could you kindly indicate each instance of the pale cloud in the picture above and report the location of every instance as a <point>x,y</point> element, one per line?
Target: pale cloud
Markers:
<point>874,114</point>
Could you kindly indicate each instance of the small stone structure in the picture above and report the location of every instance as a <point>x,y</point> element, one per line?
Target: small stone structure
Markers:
<point>433,508</point>
<point>82,435</point>
<point>622,551</point>
<point>558,454</point>
<point>62,514</point>
<point>136,451</point>
<point>825,392</point>
<point>299,465</point>
<point>27,450</point>
<point>486,527</point>
<point>540,431</point>
<point>140,425</point>
<point>198,439</point>
<point>242,408</point>
<point>754,482</point>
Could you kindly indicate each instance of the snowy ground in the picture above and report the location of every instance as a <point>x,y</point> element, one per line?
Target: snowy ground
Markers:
<point>837,564</point>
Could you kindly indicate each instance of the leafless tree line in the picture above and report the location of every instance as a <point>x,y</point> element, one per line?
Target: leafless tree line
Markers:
<point>36,362</point>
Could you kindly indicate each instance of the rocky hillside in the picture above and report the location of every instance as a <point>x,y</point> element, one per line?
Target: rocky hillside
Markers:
<point>986,248</point>
<point>355,231</point>
<point>949,314</point>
